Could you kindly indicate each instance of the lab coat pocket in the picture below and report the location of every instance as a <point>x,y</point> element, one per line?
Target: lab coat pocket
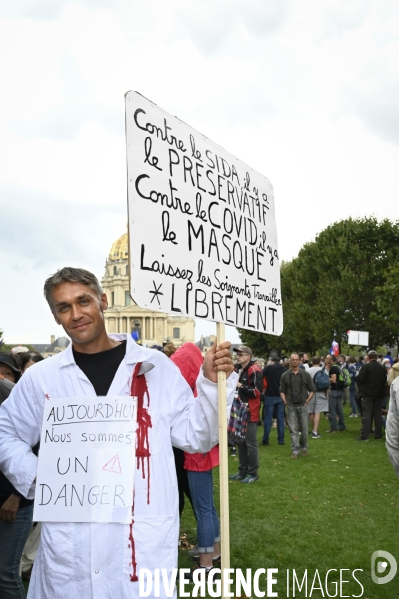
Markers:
<point>154,546</point>
<point>57,551</point>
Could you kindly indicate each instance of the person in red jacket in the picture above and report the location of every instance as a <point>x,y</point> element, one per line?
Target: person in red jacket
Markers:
<point>188,359</point>
<point>249,389</point>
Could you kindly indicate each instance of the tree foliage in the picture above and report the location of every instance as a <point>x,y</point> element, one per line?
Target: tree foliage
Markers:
<point>387,298</point>
<point>348,278</point>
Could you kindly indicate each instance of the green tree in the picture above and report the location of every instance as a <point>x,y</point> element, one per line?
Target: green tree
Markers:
<point>387,298</point>
<point>337,283</point>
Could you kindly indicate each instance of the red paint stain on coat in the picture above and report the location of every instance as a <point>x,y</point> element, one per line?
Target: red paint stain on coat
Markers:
<point>139,389</point>
<point>133,576</point>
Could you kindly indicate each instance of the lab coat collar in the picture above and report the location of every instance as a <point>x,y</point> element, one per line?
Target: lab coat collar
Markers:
<point>134,352</point>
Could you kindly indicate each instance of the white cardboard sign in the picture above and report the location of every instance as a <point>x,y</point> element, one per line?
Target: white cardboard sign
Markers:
<point>86,460</point>
<point>358,338</point>
<point>202,230</point>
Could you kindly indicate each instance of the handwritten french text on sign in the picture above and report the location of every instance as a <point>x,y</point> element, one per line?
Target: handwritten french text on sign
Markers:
<point>202,229</point>
<point>86,460</point>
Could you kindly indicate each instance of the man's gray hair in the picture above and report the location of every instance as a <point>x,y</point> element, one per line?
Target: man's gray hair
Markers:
<point>68,274</point>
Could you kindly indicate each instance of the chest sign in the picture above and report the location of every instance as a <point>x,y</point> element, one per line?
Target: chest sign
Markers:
<point>86,460</point>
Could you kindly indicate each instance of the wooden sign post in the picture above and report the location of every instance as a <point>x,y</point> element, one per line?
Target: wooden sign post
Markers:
<point>223,462</point>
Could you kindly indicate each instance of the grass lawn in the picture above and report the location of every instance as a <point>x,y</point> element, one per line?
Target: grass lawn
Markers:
<point>333,509</point>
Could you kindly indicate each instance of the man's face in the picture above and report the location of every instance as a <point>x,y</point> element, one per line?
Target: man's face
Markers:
<point>305,358</point>
<point>294,361</point>
<point>328,361</point>
<point>341,359</point>
<point>243,358</point>
<point>79,311</point>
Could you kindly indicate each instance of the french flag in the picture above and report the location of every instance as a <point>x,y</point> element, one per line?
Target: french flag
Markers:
<point>334,349</point>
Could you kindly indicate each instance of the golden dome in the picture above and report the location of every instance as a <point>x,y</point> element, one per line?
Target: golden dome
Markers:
<point>119,250</point>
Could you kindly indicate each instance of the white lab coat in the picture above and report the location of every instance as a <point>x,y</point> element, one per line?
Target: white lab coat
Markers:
<point>95,560</point>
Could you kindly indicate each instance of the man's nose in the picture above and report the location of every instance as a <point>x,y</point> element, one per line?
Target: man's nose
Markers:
<point>76,312</point>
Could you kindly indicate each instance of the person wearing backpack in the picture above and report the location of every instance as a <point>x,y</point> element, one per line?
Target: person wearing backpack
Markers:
<point>319,402</point>
<point>249,389</point>
<point>337,386</point>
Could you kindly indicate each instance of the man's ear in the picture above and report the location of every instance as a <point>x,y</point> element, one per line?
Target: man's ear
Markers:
<point>104,301</point>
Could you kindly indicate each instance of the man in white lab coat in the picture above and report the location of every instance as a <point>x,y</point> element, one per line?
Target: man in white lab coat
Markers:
<point>102,561</point>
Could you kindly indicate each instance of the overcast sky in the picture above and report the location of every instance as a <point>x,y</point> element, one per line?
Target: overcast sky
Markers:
<point>306,92</point>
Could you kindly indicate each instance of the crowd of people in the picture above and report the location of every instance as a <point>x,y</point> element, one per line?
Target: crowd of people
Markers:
<point>295,392</point>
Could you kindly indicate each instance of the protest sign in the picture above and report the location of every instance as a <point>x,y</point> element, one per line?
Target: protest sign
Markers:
<point>86,460</point>
<point>358,338</point>
<point>202,231</point>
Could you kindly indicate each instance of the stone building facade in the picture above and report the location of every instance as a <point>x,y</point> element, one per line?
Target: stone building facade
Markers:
<point>124,316</point>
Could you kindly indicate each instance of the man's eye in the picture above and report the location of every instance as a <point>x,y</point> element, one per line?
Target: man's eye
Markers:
<point>84,302</point>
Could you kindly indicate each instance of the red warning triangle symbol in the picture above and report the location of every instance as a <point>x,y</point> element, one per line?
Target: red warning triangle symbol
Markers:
<point>113,465</point>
